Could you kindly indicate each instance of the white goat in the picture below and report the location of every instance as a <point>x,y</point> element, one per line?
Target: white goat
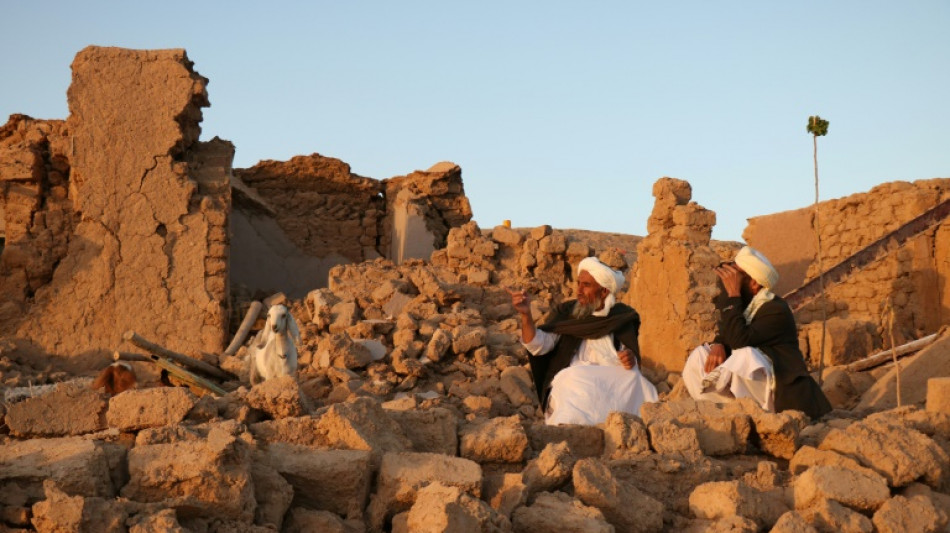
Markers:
<point>273,351</point>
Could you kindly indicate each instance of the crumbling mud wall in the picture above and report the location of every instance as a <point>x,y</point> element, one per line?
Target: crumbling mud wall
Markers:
<point>38,216</point>
<point>141,203</point>
<point>421,208</point>
<point>911,279</point>
<point>295,220</point>
<point>321,205</point>
<point>672,283</point>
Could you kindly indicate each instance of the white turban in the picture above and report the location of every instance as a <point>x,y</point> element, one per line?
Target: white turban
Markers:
<point>753,263</point>
<point>605,276</point>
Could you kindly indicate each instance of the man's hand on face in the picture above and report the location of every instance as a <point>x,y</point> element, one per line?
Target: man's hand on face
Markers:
<point>731,278</point>
<point>627,358</point>
<point>716,357</point>
<point>521,301</point>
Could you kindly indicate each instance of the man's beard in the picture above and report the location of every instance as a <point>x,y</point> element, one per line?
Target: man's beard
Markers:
<point>582,310</point>
<point>745,292</point>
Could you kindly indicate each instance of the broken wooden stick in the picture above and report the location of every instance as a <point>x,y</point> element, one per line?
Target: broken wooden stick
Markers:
<point>129,356</point>
<point>182,359</point>
<point>185,376</point>
<point>885,356</point>
<point>246,325</point>
<point>180,373</point>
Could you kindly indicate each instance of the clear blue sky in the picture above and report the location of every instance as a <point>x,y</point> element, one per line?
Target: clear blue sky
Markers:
<point>560,113</point>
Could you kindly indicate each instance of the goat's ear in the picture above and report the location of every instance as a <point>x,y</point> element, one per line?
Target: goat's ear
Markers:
<point>264,334</point>
<point>292,326</point>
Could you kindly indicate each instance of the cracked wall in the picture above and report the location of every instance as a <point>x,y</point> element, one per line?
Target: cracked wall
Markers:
<point>148,250</point>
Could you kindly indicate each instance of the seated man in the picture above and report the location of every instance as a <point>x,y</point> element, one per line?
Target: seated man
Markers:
<point>585,356</point>
<point>755,353</point>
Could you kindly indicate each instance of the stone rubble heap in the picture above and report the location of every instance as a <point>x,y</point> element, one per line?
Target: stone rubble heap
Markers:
<point>413,410</point>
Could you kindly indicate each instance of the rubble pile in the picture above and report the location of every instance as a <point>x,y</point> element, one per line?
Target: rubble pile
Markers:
<point>413,410</point>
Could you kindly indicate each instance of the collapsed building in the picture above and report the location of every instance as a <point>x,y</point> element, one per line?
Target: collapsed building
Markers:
<point>413,408</point>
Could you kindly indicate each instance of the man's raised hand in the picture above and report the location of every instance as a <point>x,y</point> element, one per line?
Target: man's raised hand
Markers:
<point>521,301</point>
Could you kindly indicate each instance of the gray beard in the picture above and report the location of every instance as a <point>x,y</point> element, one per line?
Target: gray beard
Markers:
<point>584,310</point>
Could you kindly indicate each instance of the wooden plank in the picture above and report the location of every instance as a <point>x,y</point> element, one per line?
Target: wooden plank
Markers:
<point>249,318</point>
<point>888,355</point>
<point>184,360</point>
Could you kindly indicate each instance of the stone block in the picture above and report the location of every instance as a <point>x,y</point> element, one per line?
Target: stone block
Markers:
<point>429,430</point>
<point>584,441</point>
<point>853,488</point>
<point>777,434</point>
<point>304,430</point>
<point>209,478</point>
<point>721,499</point>
<point>669,437</point>
<point>899,453</point>
<point>401,475</point>
<point>625,434</point>
<point>623,505</point>
<point>938,395</point>
<point>506,492</point>
<point>273,495</point>
<point>551,469</point>
<point>80,467</point>
<point>829,515</point>
<point>69,409</point>
<point>506,236</point>
<point>341,351</point>
<point>846,340</point>
<point>466,338</point>
<point>559,512</point>
<point>900,514</point>
<point>330,480</point>
<point>518,385</point>
<point>553,244</point>
<point>302,520</point>
<point>540,232</point>
<point>499,440</point>
<point>730,524</point>
<point>807,457</point>
<point>718,431</point>
<point>137,409</point>
<point>792,522</point>
<point>62,512</point>
<point>839,389</point>
<point>279,397</point>
<point>439,508</point>
<point>362,424</point>
<point>440,341</point>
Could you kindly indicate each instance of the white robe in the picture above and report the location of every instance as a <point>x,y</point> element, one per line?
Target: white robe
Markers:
<point>747,373</point>
<point>594,385</point>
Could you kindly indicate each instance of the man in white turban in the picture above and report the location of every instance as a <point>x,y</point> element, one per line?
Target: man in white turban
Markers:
<point>585,357</point>
<point>755,353</point>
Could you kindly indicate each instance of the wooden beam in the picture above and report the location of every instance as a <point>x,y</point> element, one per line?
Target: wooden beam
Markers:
<point>182,359</point>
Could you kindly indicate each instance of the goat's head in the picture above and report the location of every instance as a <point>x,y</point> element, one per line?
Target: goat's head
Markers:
<point>280,322</point>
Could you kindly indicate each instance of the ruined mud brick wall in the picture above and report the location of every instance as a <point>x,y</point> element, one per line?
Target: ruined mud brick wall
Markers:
<point>37,210</point>
<point>673,283</point>
<point>421,208</point>
<point>312,213</point>
<point>322,206</point>
<point>149,251</point>
<point>912,278</point>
